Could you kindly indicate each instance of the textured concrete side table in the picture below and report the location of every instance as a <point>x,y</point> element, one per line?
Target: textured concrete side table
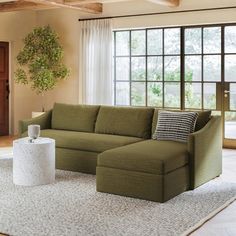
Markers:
<point>33,163</point>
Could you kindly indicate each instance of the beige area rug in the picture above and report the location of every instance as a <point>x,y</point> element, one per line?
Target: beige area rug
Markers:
<point>71,206</point>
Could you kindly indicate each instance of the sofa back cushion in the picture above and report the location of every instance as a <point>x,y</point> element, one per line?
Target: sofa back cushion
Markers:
<point>203,118</point>
<point>127,121</point>
<point>74,117</point>
<point>175,126</point>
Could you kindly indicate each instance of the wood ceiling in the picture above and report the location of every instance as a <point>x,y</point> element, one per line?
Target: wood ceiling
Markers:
<point>89,6</point>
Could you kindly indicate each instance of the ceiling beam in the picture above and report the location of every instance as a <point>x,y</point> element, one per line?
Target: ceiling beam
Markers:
<point>21,5</point>
<point>169,3</point>
<point>172,3</point>
<point>89,6</point>
<point>74,2</point>
<point>81,6</point>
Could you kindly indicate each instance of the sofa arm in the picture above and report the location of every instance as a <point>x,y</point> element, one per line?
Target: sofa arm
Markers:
<point>205,149</point>
<point>44,121</point>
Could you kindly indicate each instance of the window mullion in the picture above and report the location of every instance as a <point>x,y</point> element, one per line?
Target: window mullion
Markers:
<point>182,69</point>
<point>163,69</point>
<point>146,74</point>
<point>114,68</point>
<point>202,68</point>
<point>130,69</point>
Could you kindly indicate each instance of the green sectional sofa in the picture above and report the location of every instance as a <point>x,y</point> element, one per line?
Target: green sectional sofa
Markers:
<point>115,144</point>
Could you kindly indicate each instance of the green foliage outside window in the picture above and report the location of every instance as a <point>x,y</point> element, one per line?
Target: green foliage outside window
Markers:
<point>151,81</point>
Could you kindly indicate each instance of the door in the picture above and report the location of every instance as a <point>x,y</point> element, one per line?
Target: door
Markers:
<point>229,86</point>
<point>209,67</point>
<point>4,88</point>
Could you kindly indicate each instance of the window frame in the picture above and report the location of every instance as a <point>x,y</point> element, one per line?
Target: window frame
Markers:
<point>181,55</point>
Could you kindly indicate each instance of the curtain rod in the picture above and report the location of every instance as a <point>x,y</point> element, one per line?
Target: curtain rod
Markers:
<point>162,13</point>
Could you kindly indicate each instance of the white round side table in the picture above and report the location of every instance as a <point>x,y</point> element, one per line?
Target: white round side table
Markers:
<point>33,163</point>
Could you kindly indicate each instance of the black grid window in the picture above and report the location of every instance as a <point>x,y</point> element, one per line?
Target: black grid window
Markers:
<point>175,67</point>
<point>202,66</point>
<point>147,67</point>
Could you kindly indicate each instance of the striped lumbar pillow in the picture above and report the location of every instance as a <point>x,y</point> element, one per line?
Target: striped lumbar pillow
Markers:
<point>175,126</point>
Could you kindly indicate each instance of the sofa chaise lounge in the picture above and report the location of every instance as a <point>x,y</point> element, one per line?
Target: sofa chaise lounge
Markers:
<point>115,144</point>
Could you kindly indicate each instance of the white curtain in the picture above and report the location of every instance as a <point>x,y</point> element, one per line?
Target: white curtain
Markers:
<point>96,61</point>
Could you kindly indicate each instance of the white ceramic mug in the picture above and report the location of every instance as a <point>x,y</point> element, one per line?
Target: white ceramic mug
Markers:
<point>33,131</point>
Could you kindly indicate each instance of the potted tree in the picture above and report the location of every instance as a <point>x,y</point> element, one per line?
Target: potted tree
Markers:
<point>40,61</point>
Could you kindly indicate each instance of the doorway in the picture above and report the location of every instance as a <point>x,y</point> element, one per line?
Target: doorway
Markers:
<point>4,88</point>
<point>210,74</point>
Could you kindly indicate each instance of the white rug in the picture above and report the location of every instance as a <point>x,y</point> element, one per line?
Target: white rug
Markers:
<point>72,207</point>
<point>6,152</point>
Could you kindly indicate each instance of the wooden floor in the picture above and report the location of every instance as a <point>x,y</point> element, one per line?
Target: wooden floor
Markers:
<point>6,141</point>
<point>224,223</point>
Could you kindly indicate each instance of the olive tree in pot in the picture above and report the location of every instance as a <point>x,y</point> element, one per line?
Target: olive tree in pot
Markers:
<point>40,61</point>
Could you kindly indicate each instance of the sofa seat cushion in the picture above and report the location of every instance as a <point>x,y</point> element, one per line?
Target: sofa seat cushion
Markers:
<point>87,141</point>
<point>151,156</point>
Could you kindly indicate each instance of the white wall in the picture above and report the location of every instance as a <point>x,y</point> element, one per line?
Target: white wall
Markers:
<point>142,6</point>
<point>191,18</point>
<point>176,19</point>
<point>13,27</point>
<point>65,23</point>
